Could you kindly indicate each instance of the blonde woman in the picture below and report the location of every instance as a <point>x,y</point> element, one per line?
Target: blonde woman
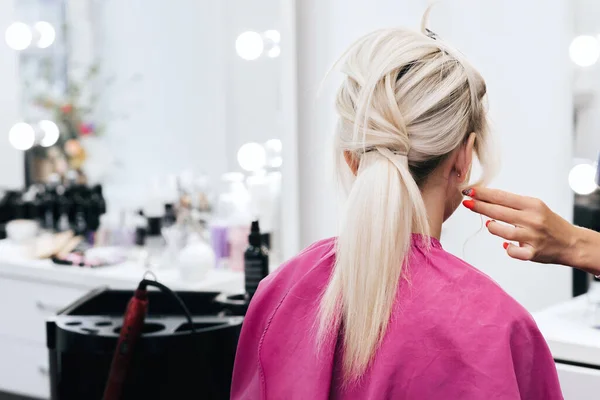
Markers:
<point>382,311</point>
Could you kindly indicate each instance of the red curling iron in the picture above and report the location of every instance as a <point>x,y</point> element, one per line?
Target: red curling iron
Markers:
<point>131,331</point>
<point>133,323</point>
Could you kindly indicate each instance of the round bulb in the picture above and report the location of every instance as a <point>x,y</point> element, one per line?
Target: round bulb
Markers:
<point>51,133</point>
<point>273,35</point>
<point>47,34</point>
<point>18,36</point>
<point>274,52</point>
<point>252,157</point>
<point>584,50</point>
<point>21,136</point>
<point>273,145</point>
<point>582,179</point>
<point>249,45</point>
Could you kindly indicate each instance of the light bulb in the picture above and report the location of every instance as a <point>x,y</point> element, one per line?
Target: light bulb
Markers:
<point>274,52</point>
<point>249,45</point>
<point>584,50</point>
<point>252,157</point>
<point>21,136</point>
<point>273,35</point>
<point>273,145</point>
<point>51,133</point>
<point>47,34</point>
<point>582,179</point>
<point>273,151</point>
<point>18,36</point>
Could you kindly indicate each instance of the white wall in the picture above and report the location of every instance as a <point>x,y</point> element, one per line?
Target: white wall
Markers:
<point>253,87</point>
<point>521,52</point>
<point>197,101</point>
<point>177,111</point>
<point>11,160</point>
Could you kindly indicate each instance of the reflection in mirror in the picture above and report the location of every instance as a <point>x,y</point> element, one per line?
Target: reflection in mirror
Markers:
<point>584,177</point>
<point>145,119</point>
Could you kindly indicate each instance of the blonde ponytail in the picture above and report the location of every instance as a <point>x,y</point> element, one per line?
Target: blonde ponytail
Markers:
<point>408,101</point>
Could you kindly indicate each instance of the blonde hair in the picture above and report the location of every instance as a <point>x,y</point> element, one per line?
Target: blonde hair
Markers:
<point>408,100</point>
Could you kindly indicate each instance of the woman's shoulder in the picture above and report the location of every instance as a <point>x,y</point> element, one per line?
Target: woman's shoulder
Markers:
<point>320,254</point>
<point>463,289</point>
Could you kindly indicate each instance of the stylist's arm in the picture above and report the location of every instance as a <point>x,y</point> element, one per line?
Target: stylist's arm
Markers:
<point>542,235</point>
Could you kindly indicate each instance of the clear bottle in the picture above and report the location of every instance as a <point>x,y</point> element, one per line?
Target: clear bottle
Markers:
<point>196,259</point>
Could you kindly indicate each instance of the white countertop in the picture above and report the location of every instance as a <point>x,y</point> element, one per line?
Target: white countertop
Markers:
<point>568,330</point>
<point>13,264</point>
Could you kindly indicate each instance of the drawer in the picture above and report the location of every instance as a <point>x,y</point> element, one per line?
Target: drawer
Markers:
<point>24,369</point>
<point>25,306</point>
<point>578,383</point>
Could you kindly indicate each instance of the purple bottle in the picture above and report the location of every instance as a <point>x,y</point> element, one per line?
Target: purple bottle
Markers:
<point>220,243</point>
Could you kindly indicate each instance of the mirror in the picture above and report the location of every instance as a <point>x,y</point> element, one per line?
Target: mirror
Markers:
<point>157,102</point>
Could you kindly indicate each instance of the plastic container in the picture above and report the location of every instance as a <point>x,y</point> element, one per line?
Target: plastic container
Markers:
<point>196,259</point>
<point>169,361</point>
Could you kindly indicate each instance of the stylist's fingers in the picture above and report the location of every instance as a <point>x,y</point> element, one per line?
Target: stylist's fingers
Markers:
<point>494,211</point>
<point>524,252</point>
<point>499,197</point>
<point>508,232</point>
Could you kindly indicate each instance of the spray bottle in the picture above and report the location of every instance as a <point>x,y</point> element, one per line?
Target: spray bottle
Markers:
<point>256,261</point>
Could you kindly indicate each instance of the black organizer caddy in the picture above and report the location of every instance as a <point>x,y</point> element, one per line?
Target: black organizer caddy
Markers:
<point>169,362</point>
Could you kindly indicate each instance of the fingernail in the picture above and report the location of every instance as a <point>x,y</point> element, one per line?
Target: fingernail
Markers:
<point>505,245</point>
<point>469,192</point>
<point>470,204</point>
<point>488,222</point>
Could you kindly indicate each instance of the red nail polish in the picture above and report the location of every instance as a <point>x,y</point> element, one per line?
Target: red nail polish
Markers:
<point>505,245</point>
<point>470,204</point>
<point>468,192</point>
<point>488,222</point>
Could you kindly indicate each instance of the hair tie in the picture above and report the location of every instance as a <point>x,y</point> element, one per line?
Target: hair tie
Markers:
<point>431,34</point>
<point>394,152</point>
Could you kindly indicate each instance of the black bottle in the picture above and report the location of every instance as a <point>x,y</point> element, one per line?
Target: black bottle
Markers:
<point>81,206</point>
<point>49,201</point>
<point>97,198</point>
<point>256,261</point>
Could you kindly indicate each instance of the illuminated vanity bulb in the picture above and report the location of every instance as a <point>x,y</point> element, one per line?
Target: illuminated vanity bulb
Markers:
<point>46,32</point>
<point>273,35</point>
<point>252,157</point>
<point>584,50</point>
<point>274,52</point>
<point>273,145</point>
<point>249,45</point>
<point>21,136</point>
<point>18,36</point>
<point>582,179</point>
<point>51,133</point>
<point>273,151</point>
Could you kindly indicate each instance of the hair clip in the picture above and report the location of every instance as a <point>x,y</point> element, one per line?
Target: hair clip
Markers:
<point>431,34</point>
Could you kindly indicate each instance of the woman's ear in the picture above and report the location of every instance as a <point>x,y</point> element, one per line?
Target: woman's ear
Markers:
<point>465,158</point>
<point>352,161</point>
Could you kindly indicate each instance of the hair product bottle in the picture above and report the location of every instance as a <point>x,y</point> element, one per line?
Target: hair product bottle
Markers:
<point>256,261</point>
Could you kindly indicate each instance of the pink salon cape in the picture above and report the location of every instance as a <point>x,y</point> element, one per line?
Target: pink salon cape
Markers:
<point>454,334</point>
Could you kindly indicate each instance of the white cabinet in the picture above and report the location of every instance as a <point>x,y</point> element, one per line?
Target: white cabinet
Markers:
<point>579,383</point>
<point>24,368</point>
<point>24,307</point>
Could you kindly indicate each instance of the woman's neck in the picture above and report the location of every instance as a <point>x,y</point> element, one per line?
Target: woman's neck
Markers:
<point>434,197</point>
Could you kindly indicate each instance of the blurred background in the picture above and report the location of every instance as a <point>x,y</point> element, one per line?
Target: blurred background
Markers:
<point>150,126</point>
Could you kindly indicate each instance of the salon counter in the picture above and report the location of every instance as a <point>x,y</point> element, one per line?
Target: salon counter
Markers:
<point>575,346</point>
<point>122,276</point>
<point>33,290</point>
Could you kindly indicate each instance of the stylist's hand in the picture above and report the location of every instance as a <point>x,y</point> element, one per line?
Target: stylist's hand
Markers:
<point>542,235</point>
